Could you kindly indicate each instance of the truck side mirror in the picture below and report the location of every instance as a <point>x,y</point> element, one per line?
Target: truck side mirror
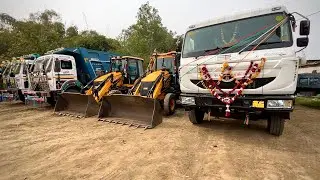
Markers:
<point>304,28</point>
<point>302,42</point>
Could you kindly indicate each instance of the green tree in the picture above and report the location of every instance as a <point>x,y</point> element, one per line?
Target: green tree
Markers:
<point>147,34</point>
<point>43,31</point>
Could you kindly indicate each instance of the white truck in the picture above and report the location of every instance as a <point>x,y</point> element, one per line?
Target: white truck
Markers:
<point>21,74</point>
<point>15,76</point>
<point>64,69</point>
<point>243,66</point>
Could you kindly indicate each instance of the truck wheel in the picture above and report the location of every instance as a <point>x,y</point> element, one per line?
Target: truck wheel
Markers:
<point>276,125</point>
<point>21,96</point>
<point>169,104</point>
<point>196,116</point>
<point>51,101</point>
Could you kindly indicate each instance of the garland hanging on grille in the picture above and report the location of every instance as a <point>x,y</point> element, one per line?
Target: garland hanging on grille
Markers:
<point>251,73</point>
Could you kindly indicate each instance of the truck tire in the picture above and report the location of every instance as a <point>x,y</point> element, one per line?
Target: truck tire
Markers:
<point>276,124</point>
<point>51,101</point>
<point>21,96</point>
<point>196,116</point>
<point>169,104</point>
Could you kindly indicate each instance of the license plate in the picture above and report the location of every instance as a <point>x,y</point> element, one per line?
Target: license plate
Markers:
<point>258,104</point>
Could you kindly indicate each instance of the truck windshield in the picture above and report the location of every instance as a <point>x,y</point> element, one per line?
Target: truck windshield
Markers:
<point>38,65</point>
<point>17,68</point>
<point>166,63</point>
<point>199,42</point>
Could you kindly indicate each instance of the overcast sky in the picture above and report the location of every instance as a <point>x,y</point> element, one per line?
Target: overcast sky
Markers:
<point>109,17</point>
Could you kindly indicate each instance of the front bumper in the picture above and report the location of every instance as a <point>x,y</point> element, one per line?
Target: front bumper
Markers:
<point>245,103</point>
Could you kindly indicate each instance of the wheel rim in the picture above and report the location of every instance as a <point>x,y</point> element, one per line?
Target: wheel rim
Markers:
<point>172,104</point>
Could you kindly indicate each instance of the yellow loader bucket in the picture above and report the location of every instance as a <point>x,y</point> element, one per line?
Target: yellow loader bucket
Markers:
<point>130,110</point>
<point>76,104</point>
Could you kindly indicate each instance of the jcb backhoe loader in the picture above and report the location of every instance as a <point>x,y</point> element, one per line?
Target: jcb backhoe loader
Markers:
<point>124,71</point>
<point>152,96</point>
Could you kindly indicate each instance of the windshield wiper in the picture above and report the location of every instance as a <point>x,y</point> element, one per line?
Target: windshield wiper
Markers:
<point>264,43</point>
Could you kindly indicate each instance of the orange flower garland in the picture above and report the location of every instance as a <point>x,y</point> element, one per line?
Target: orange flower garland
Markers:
<point>252,72</point>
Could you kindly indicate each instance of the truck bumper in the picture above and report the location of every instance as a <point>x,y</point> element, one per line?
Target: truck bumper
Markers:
<point>246,104</point>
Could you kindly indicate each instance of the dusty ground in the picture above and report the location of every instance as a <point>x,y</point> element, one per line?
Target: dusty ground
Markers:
<point>35,144</point>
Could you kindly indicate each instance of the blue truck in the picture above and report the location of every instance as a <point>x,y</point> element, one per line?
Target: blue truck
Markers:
<point>65,69</point>
<point>308,84</point>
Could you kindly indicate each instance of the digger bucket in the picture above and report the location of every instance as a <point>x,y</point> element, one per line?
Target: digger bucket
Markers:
<point>76,104</point>
<point>131,110</point>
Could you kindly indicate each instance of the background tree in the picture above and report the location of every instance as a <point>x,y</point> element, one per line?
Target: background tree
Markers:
<point>147,34</point>
<point>44,31</point>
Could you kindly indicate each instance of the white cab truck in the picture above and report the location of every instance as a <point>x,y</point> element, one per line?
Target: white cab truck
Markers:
<point>21,74</point>
<point>243,66</point>
<point>64,70</point>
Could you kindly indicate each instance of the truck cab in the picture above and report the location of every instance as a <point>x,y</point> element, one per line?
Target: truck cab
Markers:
<point>65,69</point>
<point>21,73</point>
<point>242,66</point>
<point>50,71</point>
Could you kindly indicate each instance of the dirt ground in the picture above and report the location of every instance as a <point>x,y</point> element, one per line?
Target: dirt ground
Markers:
<point>36,144</point>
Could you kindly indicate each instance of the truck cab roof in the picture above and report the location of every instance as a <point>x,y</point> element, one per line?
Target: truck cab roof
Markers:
<point>240,15</point>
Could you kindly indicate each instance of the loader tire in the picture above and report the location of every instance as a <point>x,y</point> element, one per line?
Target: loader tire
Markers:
<point>169,104</point>
<point>196,116</point>
<point>276,125</point>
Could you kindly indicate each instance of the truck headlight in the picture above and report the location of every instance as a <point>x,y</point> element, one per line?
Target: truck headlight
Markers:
<point>287,104</point>
<point>188,100</point>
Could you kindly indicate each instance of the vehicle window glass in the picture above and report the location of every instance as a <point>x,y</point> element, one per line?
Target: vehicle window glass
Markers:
<point>17,68</point>
<point>166,63</point>
<point>132,68</point>
<point>66,64</point>
<point>117,65</point>
<point>140,66</point>
<point>49,67</point>
<point>199,41</point>
<point>57,67</point>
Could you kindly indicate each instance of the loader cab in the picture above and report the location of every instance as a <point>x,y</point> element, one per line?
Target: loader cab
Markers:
<point>165,61</point>
<point>131,67</point>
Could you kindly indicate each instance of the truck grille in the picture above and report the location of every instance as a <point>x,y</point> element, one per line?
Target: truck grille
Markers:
<point>258,82</point>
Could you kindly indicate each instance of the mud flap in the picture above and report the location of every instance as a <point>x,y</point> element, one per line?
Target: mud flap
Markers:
<point>131,110</point>
<point>76,104</point>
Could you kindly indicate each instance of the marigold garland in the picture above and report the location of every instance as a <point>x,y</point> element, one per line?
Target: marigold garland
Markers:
<point>251,73</point>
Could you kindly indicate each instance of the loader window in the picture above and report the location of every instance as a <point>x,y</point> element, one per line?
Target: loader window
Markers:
<point>166,63</point>
<point>116,65</point>
<point>140,66</point>
<point>132,68</point>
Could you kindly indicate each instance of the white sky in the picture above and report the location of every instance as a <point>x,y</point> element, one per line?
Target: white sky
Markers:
<point>109,17</point>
